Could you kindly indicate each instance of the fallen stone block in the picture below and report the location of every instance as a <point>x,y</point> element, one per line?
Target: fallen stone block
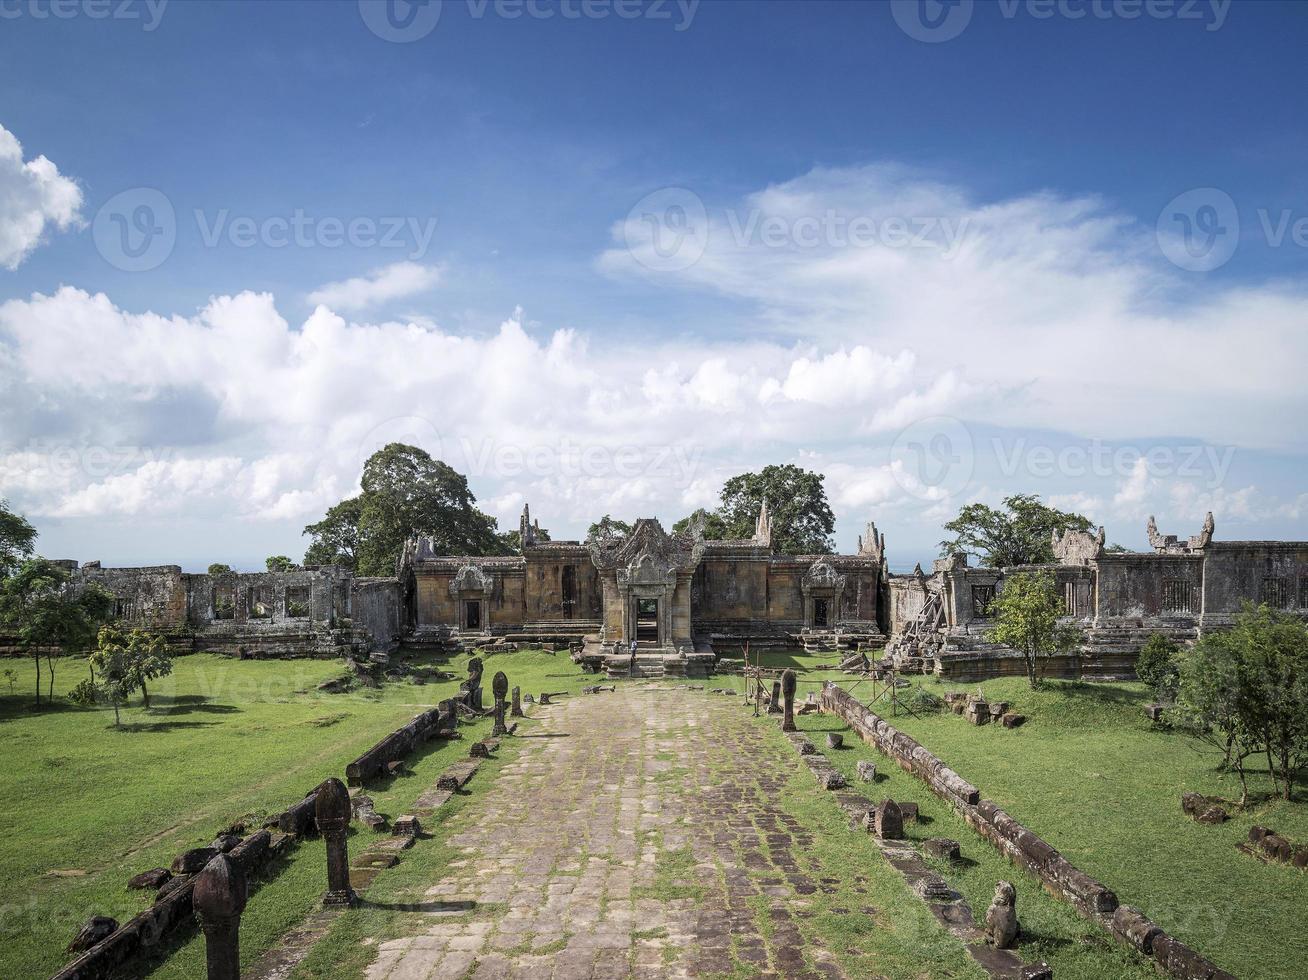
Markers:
<point>1135,928</point>
<point>225,842</point>
<point>941,848</point>
<point>867,771</point>
<point>831,779</point>
<point>192,861</point>
<point>909,812</point>
<point>153,879</point>
<point>1013,720</point>
<point>835,740</point>
<point>888,821</point>
<point>95,930</point>
<point>406,826</point>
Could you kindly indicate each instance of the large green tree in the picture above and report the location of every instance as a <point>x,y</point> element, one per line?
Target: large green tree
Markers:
<point>336,536</point>
<point>802,520</point>
<point>608,526</point>
<point>1018,533</point>
<point>51,613</point>
<point>405,493</point>
<point>16,539</point>
<point>1026,613</point>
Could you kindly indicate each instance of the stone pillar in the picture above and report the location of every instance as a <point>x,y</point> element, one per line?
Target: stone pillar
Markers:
<point>515,711</point>
<point>219,899</point>
<point>788,684</point>
<point>774,706</point>
<point>500,688</point>
<point>332,810</point>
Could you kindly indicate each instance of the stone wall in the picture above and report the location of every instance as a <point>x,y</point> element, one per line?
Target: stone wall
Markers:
<point>1024,848</point>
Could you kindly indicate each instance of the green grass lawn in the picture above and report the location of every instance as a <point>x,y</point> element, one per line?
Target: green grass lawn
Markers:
<point>85,806</point>
<point>1090,774</point>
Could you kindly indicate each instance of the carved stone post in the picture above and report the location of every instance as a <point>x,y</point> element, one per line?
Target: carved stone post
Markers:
<point>788,684</point>
<point>332,810</point>
<point>515,710</point>
<point>219,899</point>
<point>774,706</point>
<point>471,688</point>
<point>500,688</point>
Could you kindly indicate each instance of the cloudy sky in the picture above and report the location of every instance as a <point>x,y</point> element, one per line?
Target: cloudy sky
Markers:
<point>602,258</point>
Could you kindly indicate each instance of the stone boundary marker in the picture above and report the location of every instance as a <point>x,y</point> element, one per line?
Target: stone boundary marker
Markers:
<point>1059,876</point>
<point>950,909</point>
<point>437,722</point>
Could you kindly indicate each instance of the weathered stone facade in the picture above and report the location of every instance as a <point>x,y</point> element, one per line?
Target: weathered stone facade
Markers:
<point>682,600</point>
<point>1119,599</point>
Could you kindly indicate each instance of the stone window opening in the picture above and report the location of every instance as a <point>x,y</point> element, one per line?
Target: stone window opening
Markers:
<point>982,597</point>
<point>1178,596</point>
<point>1303,592</point>
<point>261,605</point>
<point>1275,592</point>
<point>224,602</point>
<point>297,601</point>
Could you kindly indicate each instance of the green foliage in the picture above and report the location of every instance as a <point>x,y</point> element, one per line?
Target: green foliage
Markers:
<point>710,523</point>
<point>336,536</point>
<point>1158,667</point>
<point>50,613</point>
<point>1018,534</point>
<point>923,702</point>
<point>280,563</point>
<point>512,540</point>
<point>405,493</point>
<point>1246,691</point>
<point>11,677</point>
<point>295,608</point>
<point>218,568</point>
<point>802,520</point>
<point>608,526</point>
<point>16,539</point>
<point>1026,613</point>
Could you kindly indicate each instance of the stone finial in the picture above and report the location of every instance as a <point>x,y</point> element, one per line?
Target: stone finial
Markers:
<point>1206,535</point>
<point>332,810</point>
<point>789,681</point>
<point>763,526</point>
<point>888,821</point>
<point>1156,540</point>
<point>1001,918</point>
<point>500,688</point>
<point>871,543</point>
<point>526,530</point>
<point>219,899</point>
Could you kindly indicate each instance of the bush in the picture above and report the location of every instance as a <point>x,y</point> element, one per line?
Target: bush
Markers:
<point>1158,666</point>
<point>923,702</point>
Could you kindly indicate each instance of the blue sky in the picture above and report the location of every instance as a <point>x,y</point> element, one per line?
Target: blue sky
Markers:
<point>604,257</point>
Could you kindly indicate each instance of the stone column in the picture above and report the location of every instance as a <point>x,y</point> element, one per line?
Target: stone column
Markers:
<point>500,688</point>
<point>332,810</point>
<point>515,710</point>
<point>788,683</point>
<point>219,899</point>
<point>774,706</point>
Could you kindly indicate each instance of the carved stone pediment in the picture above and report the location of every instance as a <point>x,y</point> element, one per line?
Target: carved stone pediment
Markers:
<point>647,550</point>
<point>823,575</point>
<point>470,578</point>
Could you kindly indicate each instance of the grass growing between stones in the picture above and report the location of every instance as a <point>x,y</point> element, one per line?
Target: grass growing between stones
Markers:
<point>86,805</point>
<point>1090,774</point>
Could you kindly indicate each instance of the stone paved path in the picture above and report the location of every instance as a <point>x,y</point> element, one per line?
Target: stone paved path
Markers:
<point>634,835</point>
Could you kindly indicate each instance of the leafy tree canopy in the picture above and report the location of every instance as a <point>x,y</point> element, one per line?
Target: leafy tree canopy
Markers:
<point>1026,613</point>
<point>218,568</point>
<point>1019,533</point>
<point>608,526</point>
<point>16,539</point>
<point>279,563</point>
<point>405,493</point>
<point>802,521</point>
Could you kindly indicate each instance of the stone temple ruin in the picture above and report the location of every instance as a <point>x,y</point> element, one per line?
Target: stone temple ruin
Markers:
<point>684,600</point>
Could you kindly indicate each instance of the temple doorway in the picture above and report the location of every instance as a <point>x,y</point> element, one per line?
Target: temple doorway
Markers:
<point>472,614</point>
<point>820,612</point>
<point>647,620</point>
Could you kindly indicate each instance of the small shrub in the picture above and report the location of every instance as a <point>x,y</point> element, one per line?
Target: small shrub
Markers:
<point>1158,666</point>
<point>923,702</point>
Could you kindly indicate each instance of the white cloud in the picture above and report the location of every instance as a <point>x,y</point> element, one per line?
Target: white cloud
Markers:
<point>33,195</point>
<point>389,282</point>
